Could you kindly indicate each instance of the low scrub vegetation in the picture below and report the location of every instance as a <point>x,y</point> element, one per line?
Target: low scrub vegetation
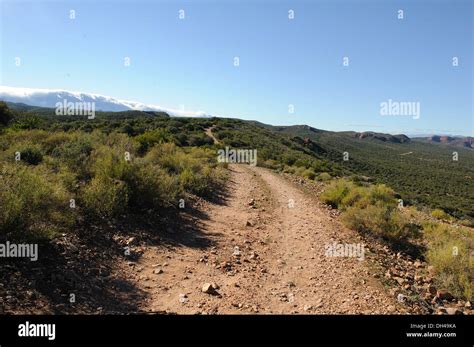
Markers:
<point>450,252</point>
<point>61,176</point>
<point>440,214</point>
<point>421,178</point>
<point>374,209</point>
<point>371,209</point>
<point>344,193</point>
<point>34,203</point>
<point>387,223</point>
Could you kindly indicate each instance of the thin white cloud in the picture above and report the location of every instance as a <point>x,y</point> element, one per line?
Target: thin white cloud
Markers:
<point>49,98</point>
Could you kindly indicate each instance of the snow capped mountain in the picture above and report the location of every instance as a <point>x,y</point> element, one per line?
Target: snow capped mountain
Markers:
<point>49,98</point>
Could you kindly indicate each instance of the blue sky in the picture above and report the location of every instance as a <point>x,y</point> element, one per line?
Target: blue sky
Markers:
<point>190,62</point>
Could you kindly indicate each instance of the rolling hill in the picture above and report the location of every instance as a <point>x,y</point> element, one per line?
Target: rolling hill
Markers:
<point>422,172</point>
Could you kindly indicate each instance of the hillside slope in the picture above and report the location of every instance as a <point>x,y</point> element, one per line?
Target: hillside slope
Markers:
<point>421,172</point>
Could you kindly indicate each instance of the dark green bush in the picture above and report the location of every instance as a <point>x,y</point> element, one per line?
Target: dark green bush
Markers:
<point>31,155</point>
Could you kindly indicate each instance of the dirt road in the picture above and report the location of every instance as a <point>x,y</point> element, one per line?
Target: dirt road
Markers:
<point>266,254</point>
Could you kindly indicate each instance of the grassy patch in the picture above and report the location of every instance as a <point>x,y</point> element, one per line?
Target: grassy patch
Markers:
<point>450,251</point>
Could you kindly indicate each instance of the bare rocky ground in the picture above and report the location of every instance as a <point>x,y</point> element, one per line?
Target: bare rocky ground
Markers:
<point>259,247</point>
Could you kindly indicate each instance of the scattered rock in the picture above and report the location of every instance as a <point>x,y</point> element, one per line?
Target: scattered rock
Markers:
<point>401,298</point>
<point>453,311</point>
<point>399,280</point>
<point>290,297</point>
<point>249,223</point>
<point>183,298</point>
<point>210,288</point>
<point>307,307</point>
<point>443,294</point>
<point>158,271</point>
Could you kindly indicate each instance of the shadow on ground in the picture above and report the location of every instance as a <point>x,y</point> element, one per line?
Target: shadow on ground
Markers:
<point>87,264</point>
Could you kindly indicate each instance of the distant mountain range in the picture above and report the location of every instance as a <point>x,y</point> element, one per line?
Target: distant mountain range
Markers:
<point>49,98</point>
<point>458,141</point>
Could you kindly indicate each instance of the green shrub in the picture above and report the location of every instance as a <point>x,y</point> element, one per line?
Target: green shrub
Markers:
<point>289,169</point>
<point>201,183</point>
<point>199,140</point>
<point>450,252</point>
<point>5,114</point>
<point>272,164</point>
<point>363,196</point>
<point>336,192</point>
<point>196,168</point>
<point>167,156</point>
<point>151,187</point>
<point>382,193</point>
<point>96,167</point>
<point>105,196</point>
<point>25,122</point>
<point>110,162</point>
<point>33,203</point>
<point>148,139</point>
<point>54,141</point>
<point>384,222</point>
<point>440,214</point>
<point>309,173</point>
<point>68,178</point>
<point>371,209</point>
<point>356,195</point>
<point>324,176</point>
<point>343,194</point>
<point>193,182</point>
<point>31,155</point>
<point>75,154</point>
